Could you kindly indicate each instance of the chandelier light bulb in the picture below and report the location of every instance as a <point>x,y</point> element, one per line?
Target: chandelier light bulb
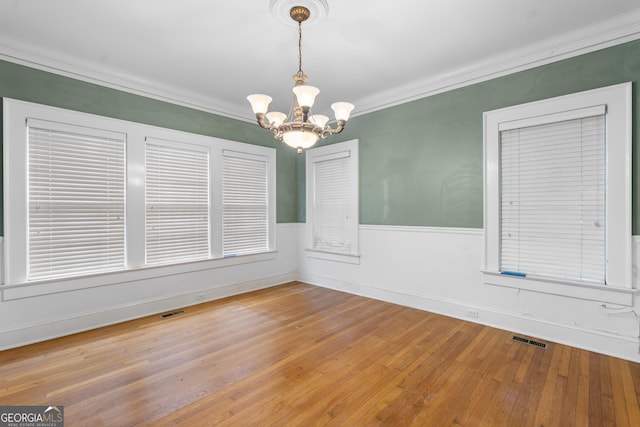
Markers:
<point>306,95</point>
<point>342,110</point>
<point>259,103</point>
<point>300,139</point>
<point>276,118</point>
<point>319,120</point>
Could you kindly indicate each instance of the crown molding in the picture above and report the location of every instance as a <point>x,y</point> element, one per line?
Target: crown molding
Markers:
<point>40,59</point>
<point>618,30</point>
<point>605,34</point>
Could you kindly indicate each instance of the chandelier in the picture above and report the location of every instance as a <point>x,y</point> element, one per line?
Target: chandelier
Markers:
<point>299,129</point>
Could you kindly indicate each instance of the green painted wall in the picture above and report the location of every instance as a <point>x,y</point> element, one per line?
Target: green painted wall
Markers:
<point>421,162</point>
<point>32,85</point>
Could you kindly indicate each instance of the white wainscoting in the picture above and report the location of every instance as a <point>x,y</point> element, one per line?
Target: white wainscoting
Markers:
<point>38,318</point>
<point>432,269</point>
<point>438,270</point>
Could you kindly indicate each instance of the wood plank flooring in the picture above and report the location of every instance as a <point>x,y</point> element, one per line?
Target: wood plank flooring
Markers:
<point>299,355</point>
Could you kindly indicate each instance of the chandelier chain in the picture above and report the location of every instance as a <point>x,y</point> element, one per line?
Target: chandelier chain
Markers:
<point>300,47</point>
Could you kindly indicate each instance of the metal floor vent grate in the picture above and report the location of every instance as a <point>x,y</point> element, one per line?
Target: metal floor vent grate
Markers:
<point>528,341</point>
<point>173,313</point>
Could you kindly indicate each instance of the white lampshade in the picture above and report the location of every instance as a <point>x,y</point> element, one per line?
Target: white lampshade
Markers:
<point>300,139</point>
<point>319,120</point>
<point>259,103</point>
<point>342,110</point>
<point>276,118</point>
<point>306,95</point>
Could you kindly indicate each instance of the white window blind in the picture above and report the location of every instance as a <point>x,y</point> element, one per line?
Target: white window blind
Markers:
<point>76,200</point>
<point>333,224</point>
<point>176,202</point>
<point>245,203</point>
<point>552,215</point>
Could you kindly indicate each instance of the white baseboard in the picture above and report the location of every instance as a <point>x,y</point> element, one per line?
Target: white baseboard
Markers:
<point>40,331</point>
<point>601,342</point>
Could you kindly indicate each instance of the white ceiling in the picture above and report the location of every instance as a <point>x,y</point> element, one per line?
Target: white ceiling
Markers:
<point>211,54</point>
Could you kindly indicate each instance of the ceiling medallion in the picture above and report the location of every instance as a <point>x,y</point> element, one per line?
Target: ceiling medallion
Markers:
<point>280,9</point>
<point>299,129</point>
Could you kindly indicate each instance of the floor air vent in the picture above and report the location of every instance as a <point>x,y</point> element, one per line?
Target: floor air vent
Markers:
<point>173,313</point>
<point>528,341</point>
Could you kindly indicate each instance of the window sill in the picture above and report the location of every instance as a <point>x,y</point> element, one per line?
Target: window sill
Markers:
<point>333,256</point>
<point>600,293</point>
<point>44,287</point>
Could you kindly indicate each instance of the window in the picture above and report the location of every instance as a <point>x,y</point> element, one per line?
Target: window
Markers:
<point>332,201</point>
<point>86,195</point>
<point>558,195</point>
<point>76,200</point>
<point>552,195</point>
<point>176,202</point>
<point>245,203</point>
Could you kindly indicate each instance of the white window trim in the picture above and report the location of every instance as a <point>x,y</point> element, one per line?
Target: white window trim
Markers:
<point>617,100</point>
<point>15,203</point>
<point>324,152</point>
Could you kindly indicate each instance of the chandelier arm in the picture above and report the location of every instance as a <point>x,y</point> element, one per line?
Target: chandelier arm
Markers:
<point>330,131</point>
<point>260,118</point>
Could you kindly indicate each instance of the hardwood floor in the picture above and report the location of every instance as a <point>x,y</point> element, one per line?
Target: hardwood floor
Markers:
<point>299,355</point>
